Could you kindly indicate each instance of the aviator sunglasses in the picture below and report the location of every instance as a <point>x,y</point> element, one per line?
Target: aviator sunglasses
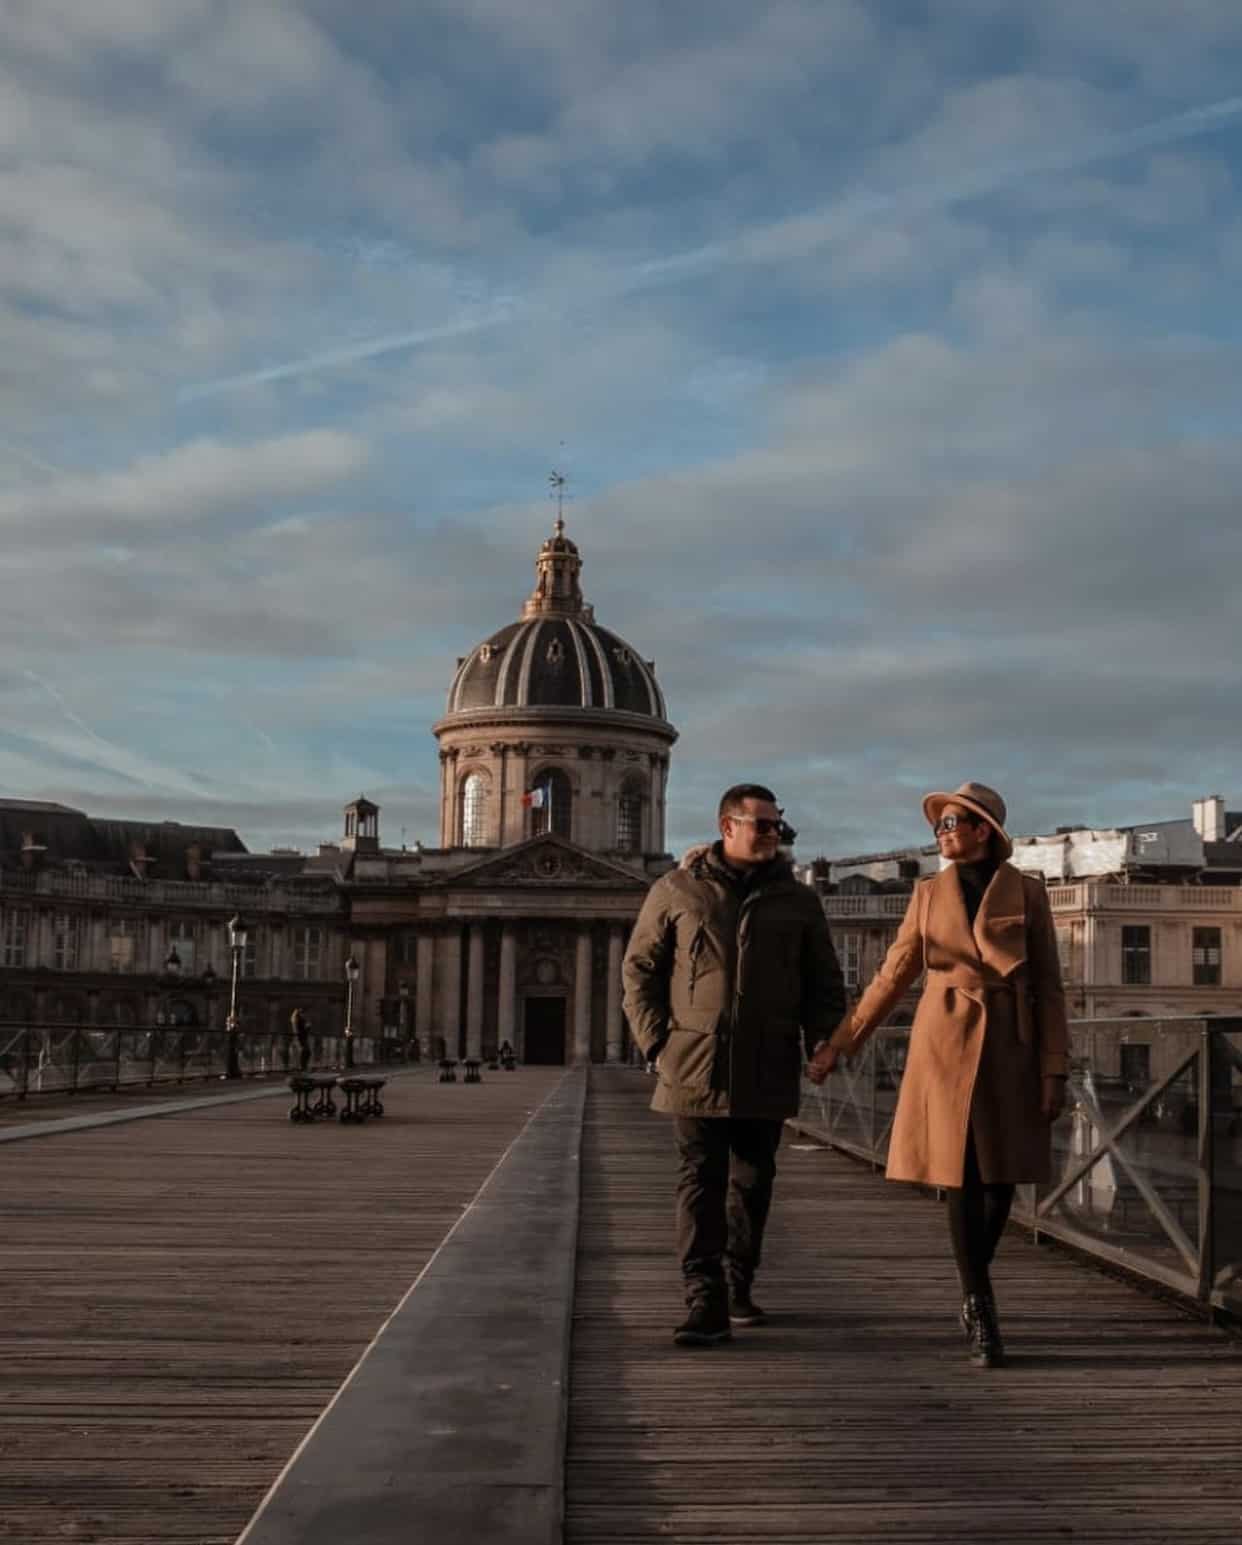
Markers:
<point>765,826</point>
<point>950,823</point>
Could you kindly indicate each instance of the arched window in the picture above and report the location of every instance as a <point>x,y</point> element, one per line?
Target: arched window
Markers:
<point>630,816</point>
<point>473,819</point>
<point>552,809</point>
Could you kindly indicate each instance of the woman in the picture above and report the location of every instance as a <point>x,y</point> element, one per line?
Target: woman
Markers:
<point>985,1072</point>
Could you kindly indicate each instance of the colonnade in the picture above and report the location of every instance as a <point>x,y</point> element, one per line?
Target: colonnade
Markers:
<point>452,987</point>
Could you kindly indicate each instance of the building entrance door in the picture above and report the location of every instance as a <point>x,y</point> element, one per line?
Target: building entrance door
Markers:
<point>545,1030</point>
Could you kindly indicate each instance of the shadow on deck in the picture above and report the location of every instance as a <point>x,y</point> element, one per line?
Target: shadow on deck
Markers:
<point>854,1414</point>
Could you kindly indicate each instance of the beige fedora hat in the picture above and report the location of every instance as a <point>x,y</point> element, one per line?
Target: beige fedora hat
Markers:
<point>985,802</point>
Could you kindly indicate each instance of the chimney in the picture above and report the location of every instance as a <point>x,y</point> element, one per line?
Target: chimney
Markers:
<point>1209,818</point>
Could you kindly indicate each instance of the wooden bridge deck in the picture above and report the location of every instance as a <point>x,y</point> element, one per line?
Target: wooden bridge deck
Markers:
<point>853,1415</point>
<point>182,1296</point>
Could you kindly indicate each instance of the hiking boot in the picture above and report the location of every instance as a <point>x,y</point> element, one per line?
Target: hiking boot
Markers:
<point>983,1336</point>
<point>706,1324</point>
<point>743,1310</point>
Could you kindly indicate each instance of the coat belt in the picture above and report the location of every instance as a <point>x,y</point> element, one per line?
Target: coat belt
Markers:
<point>971,980</point>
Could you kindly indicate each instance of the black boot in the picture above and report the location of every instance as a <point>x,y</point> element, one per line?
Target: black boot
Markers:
<point>982,1330</point>
<point>705,1325</point>
<point>743,1310</point>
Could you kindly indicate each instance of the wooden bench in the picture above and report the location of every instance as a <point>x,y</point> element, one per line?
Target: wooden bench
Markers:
<point>361,1091</point>
<point>308,1085</point>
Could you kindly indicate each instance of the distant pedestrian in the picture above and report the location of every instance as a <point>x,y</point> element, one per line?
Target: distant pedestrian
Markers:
<point>300,1026</point>
<point>729,970</point>
<point>985,1074</point>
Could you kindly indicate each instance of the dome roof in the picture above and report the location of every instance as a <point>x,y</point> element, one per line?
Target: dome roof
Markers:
<point>556,662</point>
<point>556,655</point>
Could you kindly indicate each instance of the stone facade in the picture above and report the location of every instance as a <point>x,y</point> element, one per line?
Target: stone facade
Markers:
<point>511,930</point>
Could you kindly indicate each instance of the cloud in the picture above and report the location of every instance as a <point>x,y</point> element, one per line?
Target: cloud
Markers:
<point>179,487</point>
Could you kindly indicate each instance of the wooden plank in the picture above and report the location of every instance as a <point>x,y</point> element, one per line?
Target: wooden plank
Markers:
<point>854,1414</point>
<point>183,1296</point>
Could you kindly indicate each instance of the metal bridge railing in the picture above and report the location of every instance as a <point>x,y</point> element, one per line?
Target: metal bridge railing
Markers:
<point>61,1059</point>
<point>1147,1159</point>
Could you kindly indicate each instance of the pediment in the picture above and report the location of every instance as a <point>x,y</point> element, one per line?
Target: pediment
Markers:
<point>548,861</point>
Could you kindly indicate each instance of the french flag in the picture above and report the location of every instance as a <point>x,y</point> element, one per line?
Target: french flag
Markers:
<point>535,799</point>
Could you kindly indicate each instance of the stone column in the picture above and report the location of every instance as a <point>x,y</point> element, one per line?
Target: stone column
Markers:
<point>506,1024</point>
<point>448,994</point>
<point>613,1033</point>
<point>425,967</point>
<point>474,993</point>
<point>582,996</point>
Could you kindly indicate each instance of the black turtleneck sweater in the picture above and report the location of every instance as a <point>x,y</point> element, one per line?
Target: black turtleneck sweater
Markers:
<point>974,880</point>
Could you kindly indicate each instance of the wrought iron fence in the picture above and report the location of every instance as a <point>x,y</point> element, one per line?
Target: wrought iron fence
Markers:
<point>1147,1159</point>
<point>60,1059</point>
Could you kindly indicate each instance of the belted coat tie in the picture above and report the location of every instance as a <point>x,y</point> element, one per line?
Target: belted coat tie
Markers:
<point>990,1026</point>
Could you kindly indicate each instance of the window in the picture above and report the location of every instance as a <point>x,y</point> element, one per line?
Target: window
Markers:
<point>66,940</point>
<point>1136,956</point>
<point>181,939</point>
<point>554,813</point>
<point>1206,957</point>
<point>124,941</point>
<point>473,819</point>
<point>307,948</point>
<point>1136,1066</point>
<point>851,960</point>
<point>16,927</point>
<point>630,817</point>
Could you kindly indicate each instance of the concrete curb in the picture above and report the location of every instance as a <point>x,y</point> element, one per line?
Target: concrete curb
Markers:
<point>451,1426</point>
<point>111,1118</point>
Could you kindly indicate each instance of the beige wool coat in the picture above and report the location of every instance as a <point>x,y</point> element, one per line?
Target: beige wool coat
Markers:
<point>990,1026</point>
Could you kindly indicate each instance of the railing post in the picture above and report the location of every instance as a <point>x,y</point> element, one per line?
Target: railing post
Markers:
<point>1206,1164</point>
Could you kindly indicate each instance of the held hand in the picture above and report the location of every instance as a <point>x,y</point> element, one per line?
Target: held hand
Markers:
<point>1053,1102</point>
<point>822,1063</point>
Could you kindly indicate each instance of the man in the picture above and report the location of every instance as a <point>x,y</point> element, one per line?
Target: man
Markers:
<point>729,975</point>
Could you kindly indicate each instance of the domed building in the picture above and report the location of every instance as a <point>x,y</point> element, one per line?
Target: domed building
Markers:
<point>555,724</point>
<point>554,759</point>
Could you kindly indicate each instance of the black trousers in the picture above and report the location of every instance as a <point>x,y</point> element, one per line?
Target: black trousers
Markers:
<point>977,1217</point>
<point>724,1191</point>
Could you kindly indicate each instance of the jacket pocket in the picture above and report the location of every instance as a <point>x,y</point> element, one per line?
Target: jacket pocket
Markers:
<point>780,1059</point>
<point>688,1059</point>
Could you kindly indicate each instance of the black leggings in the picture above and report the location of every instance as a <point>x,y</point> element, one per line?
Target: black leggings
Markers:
<point>977,1217</point>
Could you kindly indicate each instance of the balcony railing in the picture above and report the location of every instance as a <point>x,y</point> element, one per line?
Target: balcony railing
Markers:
<point>179,894</point>
<point>63,1059</point>
<point>866,906</point>
<point>1092,897</point>
<point>1147,1159</point>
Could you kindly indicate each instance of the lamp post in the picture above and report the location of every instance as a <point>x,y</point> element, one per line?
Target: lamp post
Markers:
<point>172,971</point>
<point>237,946</point>
<point>404,991</point>
<point>352,970</point>
<point>209,987</point>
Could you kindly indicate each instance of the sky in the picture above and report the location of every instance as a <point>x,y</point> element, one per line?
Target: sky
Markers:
<point>892,352</point>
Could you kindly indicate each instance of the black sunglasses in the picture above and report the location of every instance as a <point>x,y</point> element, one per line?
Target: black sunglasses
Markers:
<point>950,823</point>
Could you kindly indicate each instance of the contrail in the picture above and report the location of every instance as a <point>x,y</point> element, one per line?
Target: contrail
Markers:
<point>792,237</point>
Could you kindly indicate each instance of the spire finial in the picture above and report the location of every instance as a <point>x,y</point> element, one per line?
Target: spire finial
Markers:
<point>558,480</point>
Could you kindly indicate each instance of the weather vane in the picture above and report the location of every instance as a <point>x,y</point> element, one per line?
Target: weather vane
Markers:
<point>557,481</point>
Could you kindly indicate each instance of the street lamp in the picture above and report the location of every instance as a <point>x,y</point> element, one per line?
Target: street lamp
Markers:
<point>209,987</point>
<point>237,946</point>
<point>172,970</point>
<point>352,971</point>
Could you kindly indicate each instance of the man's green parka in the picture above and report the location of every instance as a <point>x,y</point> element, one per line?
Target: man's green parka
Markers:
<point>728,978</point>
